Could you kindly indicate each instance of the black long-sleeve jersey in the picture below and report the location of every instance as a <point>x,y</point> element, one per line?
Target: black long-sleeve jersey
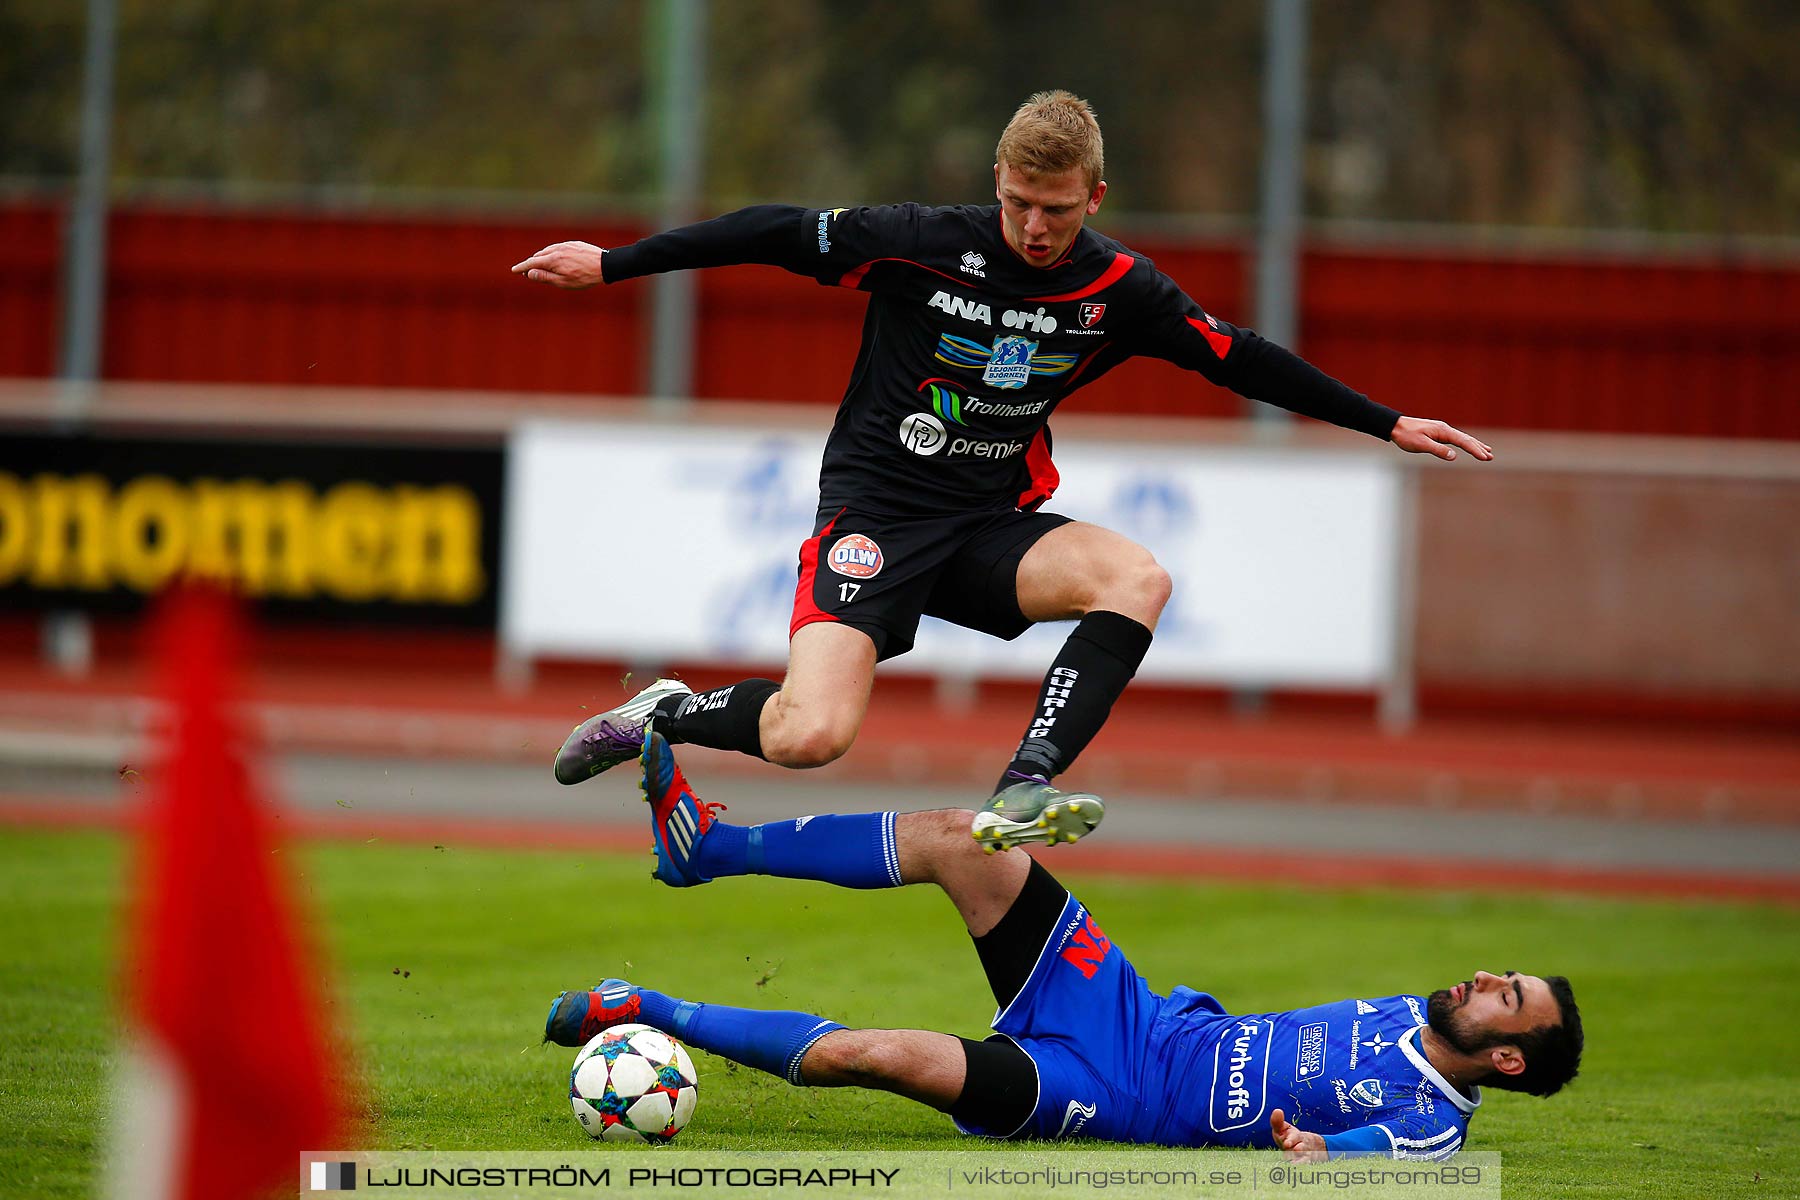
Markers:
<point>967,349</point>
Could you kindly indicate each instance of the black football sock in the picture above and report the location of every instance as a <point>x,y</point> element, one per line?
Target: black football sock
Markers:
<point>1089,673</point>
<point>726,718</point>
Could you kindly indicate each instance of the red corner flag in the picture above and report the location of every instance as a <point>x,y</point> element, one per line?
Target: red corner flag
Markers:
<point>222,1013</point>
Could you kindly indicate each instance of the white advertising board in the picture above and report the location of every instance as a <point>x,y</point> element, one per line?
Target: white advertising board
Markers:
<point>659,542</point>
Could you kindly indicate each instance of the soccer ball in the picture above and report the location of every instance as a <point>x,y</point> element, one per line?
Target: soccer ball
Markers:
<point>632,1083</point>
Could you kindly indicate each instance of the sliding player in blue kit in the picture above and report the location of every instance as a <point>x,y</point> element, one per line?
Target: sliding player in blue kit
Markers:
<point>981,319</point>
<point>1082,1046</point>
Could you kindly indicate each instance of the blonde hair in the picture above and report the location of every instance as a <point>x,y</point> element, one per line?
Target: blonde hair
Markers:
<point>1052,132</point>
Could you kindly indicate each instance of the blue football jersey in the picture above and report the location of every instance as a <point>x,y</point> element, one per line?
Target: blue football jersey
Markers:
<point>1352,1071</point>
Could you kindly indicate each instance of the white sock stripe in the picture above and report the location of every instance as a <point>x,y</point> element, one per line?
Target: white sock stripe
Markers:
<point>792,1071</point>
<point>1430,1141</point>
<point>890,847</point>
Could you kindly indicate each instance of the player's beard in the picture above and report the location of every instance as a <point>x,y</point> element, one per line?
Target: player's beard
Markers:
<point>1448,1021</point>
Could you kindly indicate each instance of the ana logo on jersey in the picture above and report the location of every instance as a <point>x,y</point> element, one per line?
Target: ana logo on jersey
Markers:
<point>972,264</point>
<point>856,556</point>
<point>1367,1093</point>
<point>959,306</point>
<point>923,433</point>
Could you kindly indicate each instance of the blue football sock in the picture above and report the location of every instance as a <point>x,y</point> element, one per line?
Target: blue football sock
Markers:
<point>769,1041</point>
<point>853,851</point>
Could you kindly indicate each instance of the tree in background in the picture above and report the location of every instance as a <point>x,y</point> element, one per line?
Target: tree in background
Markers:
<point>1671,115</point>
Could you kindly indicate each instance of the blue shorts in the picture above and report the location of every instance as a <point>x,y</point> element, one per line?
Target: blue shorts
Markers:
<point>1084,1018</point>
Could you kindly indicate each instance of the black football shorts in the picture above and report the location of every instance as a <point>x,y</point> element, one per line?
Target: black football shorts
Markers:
<point>880,574</point>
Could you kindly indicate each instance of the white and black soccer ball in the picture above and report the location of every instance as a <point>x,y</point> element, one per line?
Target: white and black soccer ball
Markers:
<point>632,1083</point>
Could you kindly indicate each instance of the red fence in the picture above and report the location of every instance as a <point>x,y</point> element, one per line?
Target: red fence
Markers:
<point>1547,342</point>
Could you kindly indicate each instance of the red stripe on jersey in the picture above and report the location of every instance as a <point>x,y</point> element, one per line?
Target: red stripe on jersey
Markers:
<point>806,609</point>
<point>1220,342</point>
<point>854,276</point>
<point>1044,476</point>
<point>1121,263</point>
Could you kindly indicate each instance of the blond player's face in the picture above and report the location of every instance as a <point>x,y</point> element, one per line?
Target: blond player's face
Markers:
<point>1041,214</point>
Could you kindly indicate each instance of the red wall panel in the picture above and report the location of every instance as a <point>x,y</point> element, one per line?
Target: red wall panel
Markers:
<point>1487,341</point>
<point>305,298</point>
<point>1604,345</point>
<point>30,289</point>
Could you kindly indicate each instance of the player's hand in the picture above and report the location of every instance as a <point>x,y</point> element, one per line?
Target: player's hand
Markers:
<point>1300,1146</point>
<point>566,265</point>
<point>1417,435</point>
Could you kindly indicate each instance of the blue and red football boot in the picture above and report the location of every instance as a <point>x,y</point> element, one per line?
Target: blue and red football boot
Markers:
<point>575,1017</point>
<point>679,820</point>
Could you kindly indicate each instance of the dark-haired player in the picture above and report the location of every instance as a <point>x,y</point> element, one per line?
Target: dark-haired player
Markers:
<point>1082,1045</point>
<point>980,320</point>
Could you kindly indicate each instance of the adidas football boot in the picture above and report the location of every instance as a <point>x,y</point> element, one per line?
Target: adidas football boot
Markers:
<point>575,1017</point>
<point>603,742</point>
<point>679,820</point>
<point>1030,810</point>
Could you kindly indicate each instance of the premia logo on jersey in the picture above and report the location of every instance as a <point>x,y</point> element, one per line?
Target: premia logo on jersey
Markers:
<point>856,556</point>
<point>923,433</point>
<point>972,264</point>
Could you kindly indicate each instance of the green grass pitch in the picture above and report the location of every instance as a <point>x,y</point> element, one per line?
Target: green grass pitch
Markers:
<point>1689,1085</point>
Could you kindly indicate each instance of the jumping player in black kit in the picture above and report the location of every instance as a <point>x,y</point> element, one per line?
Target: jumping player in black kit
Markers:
<point>980,320</point>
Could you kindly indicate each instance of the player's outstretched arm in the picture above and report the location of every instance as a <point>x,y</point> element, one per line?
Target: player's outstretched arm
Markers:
<point>1300,1145</point>
<point>564,265</point>
<point>1420,435</point>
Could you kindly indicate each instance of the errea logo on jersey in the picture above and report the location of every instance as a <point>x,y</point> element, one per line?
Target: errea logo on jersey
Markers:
<point>972,264</point>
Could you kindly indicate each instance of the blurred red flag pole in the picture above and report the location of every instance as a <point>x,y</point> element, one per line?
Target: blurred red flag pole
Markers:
<point>232,1058</point>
